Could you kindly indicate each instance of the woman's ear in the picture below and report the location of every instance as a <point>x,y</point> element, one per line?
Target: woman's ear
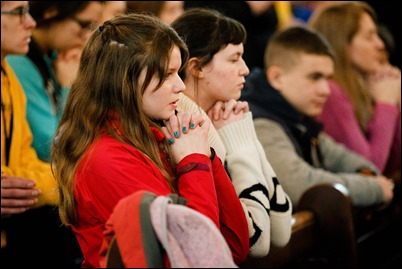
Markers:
<point>274,76</point>
<point>194,68</point>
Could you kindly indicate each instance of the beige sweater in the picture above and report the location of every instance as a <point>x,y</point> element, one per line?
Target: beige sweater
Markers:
<point>236,144</point>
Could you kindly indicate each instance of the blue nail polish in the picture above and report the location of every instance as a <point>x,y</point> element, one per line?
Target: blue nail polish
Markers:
<point>184,129</point>
<point>176,134</point>
<point>171,141</point>
<point>192,125</point>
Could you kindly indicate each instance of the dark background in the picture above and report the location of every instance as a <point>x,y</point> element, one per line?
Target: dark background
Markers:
<point>390,15</point>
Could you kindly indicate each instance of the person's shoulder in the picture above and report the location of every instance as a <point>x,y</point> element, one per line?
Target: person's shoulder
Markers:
<point>336,90</point>
<point>22,64</point>
<point>268,125</point>
<point>15,60</point>
<point>106,149</point>
<point>14,82</point>
<point>265,121</point>
<point>274,135</point>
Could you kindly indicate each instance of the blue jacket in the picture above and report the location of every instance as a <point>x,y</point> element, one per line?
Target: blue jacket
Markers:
<point>45,97</point>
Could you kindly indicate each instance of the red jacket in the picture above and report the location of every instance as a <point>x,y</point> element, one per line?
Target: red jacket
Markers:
<point>111,170</point>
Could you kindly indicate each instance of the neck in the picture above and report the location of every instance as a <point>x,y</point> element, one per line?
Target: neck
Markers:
<point>198,94</point>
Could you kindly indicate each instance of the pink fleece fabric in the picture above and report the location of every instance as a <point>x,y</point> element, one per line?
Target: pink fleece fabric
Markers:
<point>193,239</point>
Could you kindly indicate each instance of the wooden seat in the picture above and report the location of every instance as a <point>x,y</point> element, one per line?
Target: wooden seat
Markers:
<point>301,244</point>
<point>322,229</point>
<point>328,229</point>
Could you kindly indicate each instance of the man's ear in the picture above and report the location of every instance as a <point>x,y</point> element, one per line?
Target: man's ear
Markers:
<point>274,76</point>
<point>194,68</point>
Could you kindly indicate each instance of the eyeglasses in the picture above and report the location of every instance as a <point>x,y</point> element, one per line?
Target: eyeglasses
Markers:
<point>86,25</point>
<point>20,11</point>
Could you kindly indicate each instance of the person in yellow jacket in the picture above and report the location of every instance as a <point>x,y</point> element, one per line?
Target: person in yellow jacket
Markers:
<point>18,158</point>
<point>26,182</point>
<point>20,167</point>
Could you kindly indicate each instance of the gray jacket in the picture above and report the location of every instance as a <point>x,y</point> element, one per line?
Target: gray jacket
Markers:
<point>297,175</point>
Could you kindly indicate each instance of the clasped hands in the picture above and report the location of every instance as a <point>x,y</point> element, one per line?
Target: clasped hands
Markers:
<point>224,113</point>
<point>187,133</point>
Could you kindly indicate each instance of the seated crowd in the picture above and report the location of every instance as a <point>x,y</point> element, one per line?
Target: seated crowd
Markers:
<point>109,105</point>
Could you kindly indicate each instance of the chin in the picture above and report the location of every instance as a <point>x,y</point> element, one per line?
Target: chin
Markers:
<point>314,113</point>
<point>22,51</point>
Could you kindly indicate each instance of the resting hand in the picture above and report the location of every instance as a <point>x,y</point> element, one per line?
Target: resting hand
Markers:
<point>66,66</point>
<point>17,194</point>
<point>387,186</point>
<point>223,113</point>
<point>385,85</point>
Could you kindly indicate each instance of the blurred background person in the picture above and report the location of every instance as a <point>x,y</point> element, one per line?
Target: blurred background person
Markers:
<point>47,71</point>
<point>113,8</point>
<point>363,110</point>
<point>285,98</point>
<point>28,188</point>
<point>167,11</point>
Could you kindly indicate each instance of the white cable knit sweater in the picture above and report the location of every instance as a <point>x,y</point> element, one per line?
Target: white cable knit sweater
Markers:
<point>267,207</point>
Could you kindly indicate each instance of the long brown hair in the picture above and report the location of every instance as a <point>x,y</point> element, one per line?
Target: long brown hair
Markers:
<point>108,80</point>
<point>339,23</point>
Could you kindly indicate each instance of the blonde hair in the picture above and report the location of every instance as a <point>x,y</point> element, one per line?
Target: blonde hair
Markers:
<point>339,23</point>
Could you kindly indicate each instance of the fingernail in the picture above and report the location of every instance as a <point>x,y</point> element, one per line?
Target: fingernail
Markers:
<point>184,129</point>
<point>170,141</point>
<point>192,125</point>
<point>176,134</point>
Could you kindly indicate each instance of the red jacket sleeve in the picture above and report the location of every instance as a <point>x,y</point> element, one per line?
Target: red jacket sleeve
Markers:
<point>217,199</point>
<point>198,187</point>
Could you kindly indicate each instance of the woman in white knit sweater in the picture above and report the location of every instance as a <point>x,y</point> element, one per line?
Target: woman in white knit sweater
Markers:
<point>214,78</point>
